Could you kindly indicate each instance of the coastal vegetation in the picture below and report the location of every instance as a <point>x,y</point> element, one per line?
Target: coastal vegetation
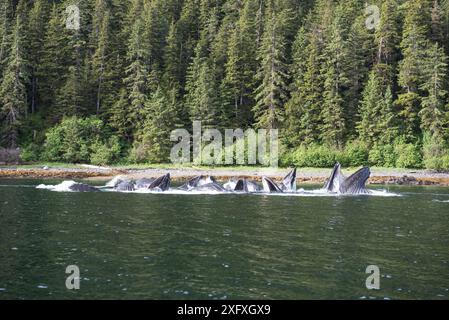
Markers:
<point>112,90</point>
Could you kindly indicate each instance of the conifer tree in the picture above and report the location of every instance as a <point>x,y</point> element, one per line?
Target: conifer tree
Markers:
<point>160,121</point>
<point>271,93</point>
<point>52,66</point>
<point>376,125</point>
<point>433,112</point>
<point>201,92</point>
<point>101,59</point>
<point>414,46</point>
<point>303,109</point>
<point>36,26</point>
<point>241,64</point>
<point>13,97</point>
<point>333,127</point>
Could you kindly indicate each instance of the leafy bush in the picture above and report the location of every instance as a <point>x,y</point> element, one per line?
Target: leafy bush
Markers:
<point>139,152</point>
<point>435,154</point>
<point>382,156</point>
<point>314,156</point>
<point>106,153</point>
<point>355,154</point>
<point>30,153</point>
<point>408,155</point>
<point>79,140</point>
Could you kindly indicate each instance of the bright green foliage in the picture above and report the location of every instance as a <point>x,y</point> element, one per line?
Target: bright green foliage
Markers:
<point>76,140</point>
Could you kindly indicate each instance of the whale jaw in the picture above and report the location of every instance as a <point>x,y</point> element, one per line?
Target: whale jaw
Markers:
<point>354,184</point>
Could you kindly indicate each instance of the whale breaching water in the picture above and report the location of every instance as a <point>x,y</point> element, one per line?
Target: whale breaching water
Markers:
<point>337,183</point>
<point>354,184</point>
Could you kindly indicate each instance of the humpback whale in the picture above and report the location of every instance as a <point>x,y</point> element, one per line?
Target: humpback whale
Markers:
<point>337,183</point>
<point>161,183</point>
<point>202,183</point>
<point>270,186</point>
<point>114,182</point>
<point>230,185</point>
<point>192,183</point>
<point>242,185</point>
<point>125,186</point>
<point>213,186</point>
<point>81,187</point>
<point>354,184</point>
<point>143,183</point>
<point>335,180</point>
<point>289,182</point>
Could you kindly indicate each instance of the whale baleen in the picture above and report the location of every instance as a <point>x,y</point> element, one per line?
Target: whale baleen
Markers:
<point>270,186</point>
<point>289,182</point>
<point>354,184</point>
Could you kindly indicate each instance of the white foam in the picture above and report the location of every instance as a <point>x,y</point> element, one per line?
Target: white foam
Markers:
<point>62,187</point>
<point>114,181</point>
<point>298,193</point>
<point>65,187</point>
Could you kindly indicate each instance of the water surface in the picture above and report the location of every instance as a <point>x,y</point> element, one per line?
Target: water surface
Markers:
<point>170,246</point>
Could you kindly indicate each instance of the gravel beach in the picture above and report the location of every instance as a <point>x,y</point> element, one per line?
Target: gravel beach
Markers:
<point>311,176</point>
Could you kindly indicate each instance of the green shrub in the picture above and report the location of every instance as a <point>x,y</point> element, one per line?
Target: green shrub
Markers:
<point>408,155</point>
<point>355,154</point>
<point>314,156</point>
<point>30,153</point>
<point>80,140</point>
<point>382,156</point>
<point>138,152</point>
<point>435,154</point>
<point>445,162</point>
<point>106,153</point>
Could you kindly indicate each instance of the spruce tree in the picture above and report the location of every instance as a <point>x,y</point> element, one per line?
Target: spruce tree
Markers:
<point>51,68</point>
<point>201,92</point>
<point>271,93</point>
<point>13,96</point>
<point>433,113</point>
<point>36,26</point>
<point>160,121</point>
<point>242,65</point>
<point>102,57</point>
<point>376,125</point>
<point>333,125</point>
<point>414,46</point>
<point>303,109</point>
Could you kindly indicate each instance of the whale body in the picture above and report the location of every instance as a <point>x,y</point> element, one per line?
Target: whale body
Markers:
<point>354,184</point>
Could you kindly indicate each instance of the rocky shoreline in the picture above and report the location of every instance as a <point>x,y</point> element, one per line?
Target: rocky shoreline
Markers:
<point>315,176</point>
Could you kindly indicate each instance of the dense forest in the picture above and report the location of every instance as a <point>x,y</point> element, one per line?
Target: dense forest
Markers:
<point>113,89</point>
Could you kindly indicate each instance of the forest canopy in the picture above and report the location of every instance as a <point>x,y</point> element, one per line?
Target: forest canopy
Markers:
<point>336,87</point>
